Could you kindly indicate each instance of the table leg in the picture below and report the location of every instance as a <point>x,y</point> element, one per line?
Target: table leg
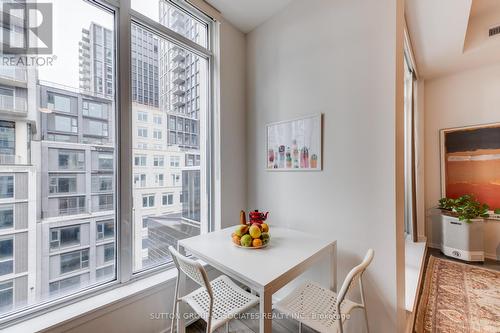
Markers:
<point>333,267</point>
<point>181,308</point>
<point>266,312</point>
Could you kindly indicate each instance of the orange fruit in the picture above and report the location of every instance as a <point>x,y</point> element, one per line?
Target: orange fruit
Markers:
<point>257,242</point>
<point>236,240</point>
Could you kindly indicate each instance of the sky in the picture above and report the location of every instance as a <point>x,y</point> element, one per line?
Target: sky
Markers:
<point>69,17</point>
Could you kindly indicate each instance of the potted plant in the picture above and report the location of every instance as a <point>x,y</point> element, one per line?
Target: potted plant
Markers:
<point>463,227</point>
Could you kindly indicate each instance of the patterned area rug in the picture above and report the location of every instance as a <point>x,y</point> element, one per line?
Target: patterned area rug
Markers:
<point>459,298</point>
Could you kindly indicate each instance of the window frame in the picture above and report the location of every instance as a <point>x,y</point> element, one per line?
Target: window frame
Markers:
<point>124,17</point>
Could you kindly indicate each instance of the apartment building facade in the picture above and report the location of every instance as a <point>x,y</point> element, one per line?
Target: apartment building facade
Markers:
<point>18,204</point>
<point>77,188</point>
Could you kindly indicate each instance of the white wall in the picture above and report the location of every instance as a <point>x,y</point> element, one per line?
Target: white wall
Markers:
<point>133,315</point>
<point>468,98</point>
<point>338,58</point>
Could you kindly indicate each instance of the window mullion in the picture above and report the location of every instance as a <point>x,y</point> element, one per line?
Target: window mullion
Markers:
<point>124,186</point>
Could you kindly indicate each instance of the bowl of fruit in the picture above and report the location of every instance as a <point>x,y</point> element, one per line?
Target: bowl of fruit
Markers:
<point>251,235</point>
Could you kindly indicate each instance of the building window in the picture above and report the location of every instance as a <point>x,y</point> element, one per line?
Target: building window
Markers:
<point>140,160</point>
<point>6,256</point>
<point>167,199</point>
<point>157,134</point>
<point>157,120</point>
<point>70,159</point>
<point>62,184</point>
<point>148,201</point>
<point>140,180</point>
<point>71,205</point>
<point>64,237</point>
<point>159,179</point>
<point>6,295</point>
<point>109,252</point>
<point>142,132</point>
<point>105,229</point>
<point>105,161</point>
<point>74,261</point>
<point>142,116</point>
<point>7,142</point>
<point>64,124</point>
<point>64,285</point>
<point>175,161</point>
<point>159,161</point>
<point>6,217</point>
<point>6,187</point>
<point>95,110</point>
<point>59,103</point>
<point>102,183</point>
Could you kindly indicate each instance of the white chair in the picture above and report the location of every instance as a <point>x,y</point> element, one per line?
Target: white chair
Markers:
<point>322,309</point>
<point>216,301</point>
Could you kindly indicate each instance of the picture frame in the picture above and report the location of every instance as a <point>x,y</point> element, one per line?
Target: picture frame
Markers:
<point>295,144</point>
<point>470,163</point>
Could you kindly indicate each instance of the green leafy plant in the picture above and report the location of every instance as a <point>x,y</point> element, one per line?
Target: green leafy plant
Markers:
<point>497,211</point>
<point>465,208</point>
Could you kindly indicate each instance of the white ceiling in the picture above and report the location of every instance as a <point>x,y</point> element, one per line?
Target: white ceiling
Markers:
<point>246,15</point>
<point>447,37</point>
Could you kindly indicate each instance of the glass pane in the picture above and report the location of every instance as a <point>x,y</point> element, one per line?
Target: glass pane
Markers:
<point>160,174</point>
<point>47,189</point>
<point>173,18</point>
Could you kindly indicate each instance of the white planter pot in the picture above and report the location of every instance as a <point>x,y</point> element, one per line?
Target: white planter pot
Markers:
<point>462,240</point>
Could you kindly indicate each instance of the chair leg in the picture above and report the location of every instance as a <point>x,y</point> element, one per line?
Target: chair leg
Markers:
<point>227,327</point>
<point>366,320</point>
<point>174,311</point>
<point>300,327</point>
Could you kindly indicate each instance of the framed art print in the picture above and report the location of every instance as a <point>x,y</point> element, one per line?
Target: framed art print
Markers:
<point>295,145</point>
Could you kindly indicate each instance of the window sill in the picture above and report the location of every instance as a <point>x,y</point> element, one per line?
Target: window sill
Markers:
<point>95,304</point>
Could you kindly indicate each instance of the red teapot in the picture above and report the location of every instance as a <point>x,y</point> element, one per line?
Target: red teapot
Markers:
<point>257,217</point>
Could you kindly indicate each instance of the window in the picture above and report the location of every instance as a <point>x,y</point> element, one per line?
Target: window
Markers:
<point>140,180</point>
<point>7,142</point>
<point>70,159</point>
<point>74,261</point>
<point>102,183</point>
<point>6,187</point>
<point>159,161</point>
<point>95,110</point>
<point>167,199</point>
<point>105,229</point>
<point>95,128</point>
<point>6,256</point>
<point>6,295</point>
<point>141,160</point>
<point>63,124</point>
<point>68,188</point>
<point>159,179</point>
<point>109,252</point>
<point>105,161</point>
<point>59,103</point>
<point>64,237</point>
<point>142,132</point>
<point>6,217</point>
<point>62,184</point>
<point>174,161</point>
<point>157,134</point>
<point>64,285</point>
<point>148,201</point>
<point>142,116</point>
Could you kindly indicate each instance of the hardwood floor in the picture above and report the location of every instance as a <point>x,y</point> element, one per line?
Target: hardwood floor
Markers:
<point>249,324</point>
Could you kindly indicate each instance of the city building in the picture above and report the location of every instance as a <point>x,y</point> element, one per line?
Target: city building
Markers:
<point>97,61</point>
<point>77,185</point>
<point>18,195</point>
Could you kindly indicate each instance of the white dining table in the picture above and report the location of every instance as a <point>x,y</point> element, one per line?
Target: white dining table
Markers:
<point>267,270</point>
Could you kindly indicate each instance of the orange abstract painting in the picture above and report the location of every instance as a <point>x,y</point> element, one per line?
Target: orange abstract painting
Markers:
<point>472,163</point>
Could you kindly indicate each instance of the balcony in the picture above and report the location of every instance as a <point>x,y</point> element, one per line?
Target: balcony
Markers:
<point>64,212</point>
<point>103,208</point>
<point>177,54</point>
<point>178,100</point>
<point>6,159</point>
<point>13,76</point>
<point>179,67</point>
<point>178,78</point>
<point>179,90</point>
<point>13,105</point>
